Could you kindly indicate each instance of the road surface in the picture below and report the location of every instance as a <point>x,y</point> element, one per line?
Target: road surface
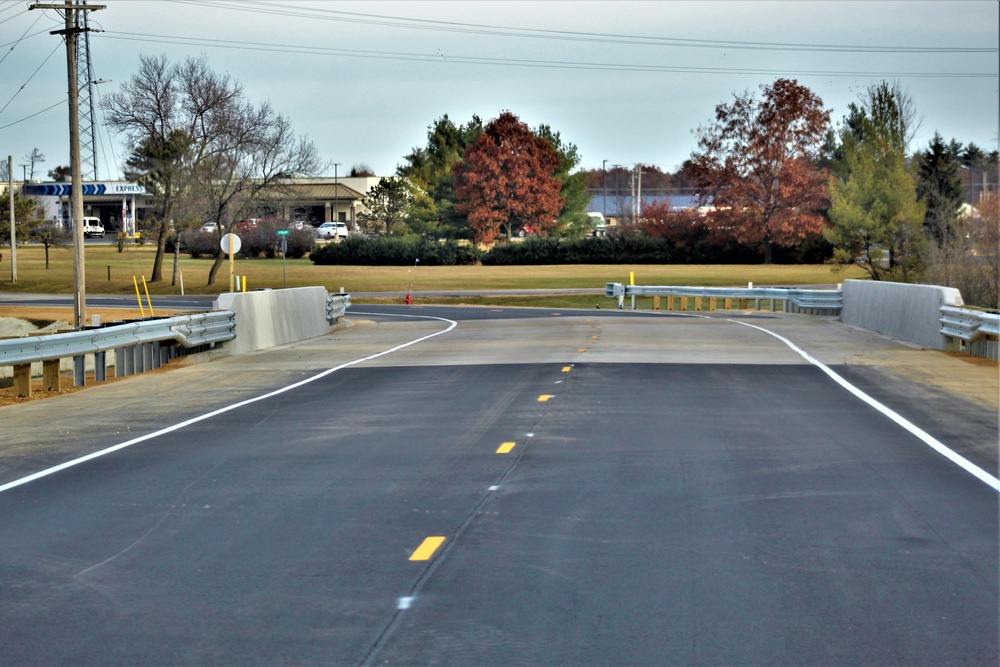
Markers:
<point>508,486</point>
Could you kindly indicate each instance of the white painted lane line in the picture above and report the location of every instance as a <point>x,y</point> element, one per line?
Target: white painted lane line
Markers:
<point>926,437</point>
<point>229,408</point>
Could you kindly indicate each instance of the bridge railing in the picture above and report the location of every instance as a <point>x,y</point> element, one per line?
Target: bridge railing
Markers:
<point>974,331</point>
<point>336,307</point>
<point>685,299</point>
<point>138,346</point>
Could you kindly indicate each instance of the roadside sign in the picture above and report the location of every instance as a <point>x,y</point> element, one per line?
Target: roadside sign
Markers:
<point>282,232</point>
<point>231,239</point>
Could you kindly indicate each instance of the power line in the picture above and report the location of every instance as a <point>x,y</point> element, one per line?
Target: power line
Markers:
<point>37,113</point>
<point>475,60</point>
<point>30,78</point>
<point>280,9</point>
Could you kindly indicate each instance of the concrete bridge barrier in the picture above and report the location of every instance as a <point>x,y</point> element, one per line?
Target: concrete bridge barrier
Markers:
<point>268,318</point>
<point>901,310</point>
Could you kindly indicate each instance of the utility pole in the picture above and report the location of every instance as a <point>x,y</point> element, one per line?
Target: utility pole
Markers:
<point>336,194</point>
<point>604,188</point>
<point>10,199</point>
<point>76,196</point>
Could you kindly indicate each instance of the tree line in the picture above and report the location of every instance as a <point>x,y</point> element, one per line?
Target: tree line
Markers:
<point>771,172</point>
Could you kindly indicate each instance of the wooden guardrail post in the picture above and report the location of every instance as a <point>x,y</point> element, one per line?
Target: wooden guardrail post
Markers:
<point>22,380</point>
<point>50,375</point>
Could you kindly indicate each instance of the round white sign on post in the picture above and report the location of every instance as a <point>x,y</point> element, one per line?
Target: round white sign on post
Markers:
<point>231,239</point>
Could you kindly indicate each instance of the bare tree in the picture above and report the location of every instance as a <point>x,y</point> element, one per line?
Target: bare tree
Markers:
<point>199,146</point>
<point>33,158</point>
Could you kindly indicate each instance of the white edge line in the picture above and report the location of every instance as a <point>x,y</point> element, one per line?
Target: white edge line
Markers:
<point>234,406</point>
<point>923,435</point>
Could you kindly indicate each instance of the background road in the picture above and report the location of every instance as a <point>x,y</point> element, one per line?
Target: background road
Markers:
<point>610,489</point>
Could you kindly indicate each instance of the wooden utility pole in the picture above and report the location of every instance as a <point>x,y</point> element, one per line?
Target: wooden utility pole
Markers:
<point>76,194</point>
<point>10,199</point>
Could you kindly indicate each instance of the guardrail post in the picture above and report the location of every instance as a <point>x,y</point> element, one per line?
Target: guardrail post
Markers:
<point>79,371</point>
<point>22,380</point>
<point>100,366</point>
<point>50,375</point>
<point>656,302</point>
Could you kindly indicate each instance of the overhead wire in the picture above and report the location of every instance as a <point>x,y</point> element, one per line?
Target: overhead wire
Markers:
<point>476,60</point>
<point>284,9</point>
<point>52,53</point>
<point>19,39</point>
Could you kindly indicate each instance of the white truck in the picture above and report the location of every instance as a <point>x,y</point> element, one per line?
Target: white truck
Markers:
<point>92,227</point>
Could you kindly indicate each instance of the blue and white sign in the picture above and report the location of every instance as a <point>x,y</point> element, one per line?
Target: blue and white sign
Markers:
<point>95,189</point>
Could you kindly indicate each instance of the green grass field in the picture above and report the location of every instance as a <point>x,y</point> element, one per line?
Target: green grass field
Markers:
<point>111,272</point>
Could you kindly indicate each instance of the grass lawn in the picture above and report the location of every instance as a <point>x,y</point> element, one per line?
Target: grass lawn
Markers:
<point>111,272</point>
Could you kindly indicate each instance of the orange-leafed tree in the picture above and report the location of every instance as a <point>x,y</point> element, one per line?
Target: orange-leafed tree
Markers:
<point>683,228</point>
<point>507,181</point>
<point>756,166</point>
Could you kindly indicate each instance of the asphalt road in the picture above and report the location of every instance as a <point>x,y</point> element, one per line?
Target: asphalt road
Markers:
<point>610,489</point>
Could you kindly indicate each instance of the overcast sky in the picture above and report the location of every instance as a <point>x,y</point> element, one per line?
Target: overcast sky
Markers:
<point>627,82</point>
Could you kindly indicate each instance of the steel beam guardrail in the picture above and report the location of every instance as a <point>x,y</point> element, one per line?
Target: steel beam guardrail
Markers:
<point>188,330</point>
<point>969,325</point>
<point>801,298</point>
<point>336,307</point>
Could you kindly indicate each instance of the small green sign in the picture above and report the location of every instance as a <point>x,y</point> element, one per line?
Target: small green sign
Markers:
<point>282,232</point>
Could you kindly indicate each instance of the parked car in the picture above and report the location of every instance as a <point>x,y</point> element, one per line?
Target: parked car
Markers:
<point>332,230</point>
<point>93,227</point>
<point>208,227</point>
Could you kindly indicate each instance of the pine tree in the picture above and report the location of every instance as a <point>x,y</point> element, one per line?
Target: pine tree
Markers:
<point>940,188</point>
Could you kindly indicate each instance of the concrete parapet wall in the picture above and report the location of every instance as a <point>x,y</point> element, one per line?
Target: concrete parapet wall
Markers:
<point>904,311</point>
<point>275,317</point>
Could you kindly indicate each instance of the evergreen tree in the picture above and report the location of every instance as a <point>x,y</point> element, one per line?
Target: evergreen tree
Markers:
<point>429,170</point>
<point>940,188</point>
<point>874,210</point>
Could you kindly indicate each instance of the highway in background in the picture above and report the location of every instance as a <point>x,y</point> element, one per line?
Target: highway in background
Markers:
<point>482,486</point>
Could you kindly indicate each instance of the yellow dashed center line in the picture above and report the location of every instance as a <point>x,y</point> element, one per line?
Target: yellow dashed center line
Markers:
<point>427,548</point>
<point>582,349</point>
<point>567,369</point>
<point>544,397</point>
<point>506,447</point>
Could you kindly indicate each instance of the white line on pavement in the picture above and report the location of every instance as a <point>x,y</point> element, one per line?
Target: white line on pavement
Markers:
<point>228,408</point>
<point>923,435</point>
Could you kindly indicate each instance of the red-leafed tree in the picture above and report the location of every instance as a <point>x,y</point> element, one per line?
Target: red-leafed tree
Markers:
<point>756,165</point>
<point>681,227</point>
<point>507,181</point>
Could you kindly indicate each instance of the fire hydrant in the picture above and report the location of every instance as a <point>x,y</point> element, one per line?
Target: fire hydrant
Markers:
<point>408,299</point>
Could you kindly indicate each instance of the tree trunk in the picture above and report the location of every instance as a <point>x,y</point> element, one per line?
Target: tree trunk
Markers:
<point>215,268</point>
<point>177,252</point>
<point>768,250</point>
<point>161,246</point>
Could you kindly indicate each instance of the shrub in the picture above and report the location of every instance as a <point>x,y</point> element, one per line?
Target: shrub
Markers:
<point>394,251</point>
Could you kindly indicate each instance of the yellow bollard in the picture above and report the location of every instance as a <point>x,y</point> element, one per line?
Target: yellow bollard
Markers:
<point>138,298</point>
<point>151,314</point>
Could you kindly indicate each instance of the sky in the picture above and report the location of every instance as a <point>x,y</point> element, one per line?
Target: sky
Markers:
<point>626,82</point>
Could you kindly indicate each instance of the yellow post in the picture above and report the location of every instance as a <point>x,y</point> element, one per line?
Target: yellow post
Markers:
<point>137,297</point>
<point>232,266</point>
<point>656,302</point>
<point>144,287</point>
<point>244,284</point>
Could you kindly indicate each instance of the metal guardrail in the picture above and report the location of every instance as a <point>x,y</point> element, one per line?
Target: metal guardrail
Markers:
<point>336,307</point>
<point>811,301</point>
<point>974,331</point>
<point>138,346</point>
